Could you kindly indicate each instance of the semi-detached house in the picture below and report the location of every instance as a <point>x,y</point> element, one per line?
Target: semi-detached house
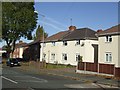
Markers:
<point>108,54</point>
<point>67,47</point>
<point>109,51</point>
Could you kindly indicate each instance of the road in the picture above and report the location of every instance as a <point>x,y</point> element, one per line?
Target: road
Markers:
<point>16,79</point>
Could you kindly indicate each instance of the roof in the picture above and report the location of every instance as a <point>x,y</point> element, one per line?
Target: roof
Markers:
<point>57,37</point>
<point>33,42</point>
<point>20,44</point>
<point>83,33</point>
<point>112,30</point>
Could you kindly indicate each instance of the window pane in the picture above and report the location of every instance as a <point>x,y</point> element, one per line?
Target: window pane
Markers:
<point>106,38</point>
<point>110,57</point>
<point>64,56</point>
<point>106,57</point>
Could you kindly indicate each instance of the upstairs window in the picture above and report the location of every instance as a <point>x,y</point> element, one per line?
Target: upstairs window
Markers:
<point>64,56</point>
<point>44,44</point>
<point>53,43</point>
<point>108,57</point>
<point>78,42</point>
<point>108,38</point>
<point>64,43</point>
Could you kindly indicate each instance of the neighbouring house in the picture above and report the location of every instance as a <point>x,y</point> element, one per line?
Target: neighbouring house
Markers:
<point>19,48</point>
<point>1,51</point>
<point>108,57</point>
<point>32,52</point>
<point>67,47</point>
<point>109,51</point>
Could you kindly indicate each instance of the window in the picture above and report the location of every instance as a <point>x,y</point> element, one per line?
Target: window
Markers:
<point>108,38</point>
<point>77,57</point>
<point>64,56</point>
<point>78,42</point>
<point>53,43</point>
<point>52,56</point>
<point>44,44</point>
<point>44,56</point>
<point>108,57</point>
<point>65,43</point>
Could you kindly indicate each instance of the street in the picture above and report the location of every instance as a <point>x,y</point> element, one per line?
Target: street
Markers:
<point>16,79</point>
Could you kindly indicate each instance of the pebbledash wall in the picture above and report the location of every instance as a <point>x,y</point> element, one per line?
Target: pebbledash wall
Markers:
<point>111,68</point>
<point>85,49</point>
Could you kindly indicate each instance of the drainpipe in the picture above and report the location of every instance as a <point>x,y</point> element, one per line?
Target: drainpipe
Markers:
<point>98,69</point>
<point>85,68</point>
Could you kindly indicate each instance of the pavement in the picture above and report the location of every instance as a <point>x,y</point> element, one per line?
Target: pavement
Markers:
<point>71,74</point>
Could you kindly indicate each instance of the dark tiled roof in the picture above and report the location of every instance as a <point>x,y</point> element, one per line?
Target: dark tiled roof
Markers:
<point>112,30</point>
<point>83,33</point>
<point>57,36</point>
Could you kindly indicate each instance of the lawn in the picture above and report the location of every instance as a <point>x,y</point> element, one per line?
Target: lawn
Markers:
<point>53,66</point>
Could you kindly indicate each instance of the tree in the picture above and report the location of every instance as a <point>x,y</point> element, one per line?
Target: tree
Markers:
<point>39,33</point>
<point>18,20</point>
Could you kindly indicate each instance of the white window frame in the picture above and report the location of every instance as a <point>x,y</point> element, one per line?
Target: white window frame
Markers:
<point>64,56</point>
<point>65,43</point>
<point>108,38</point>
<point>77,42</point>
<point>44,56</point>
<point>53,43</point>
<point>76,56</point>
<point>52,56</point>
<point>108,57</point>
<point>44,44</point>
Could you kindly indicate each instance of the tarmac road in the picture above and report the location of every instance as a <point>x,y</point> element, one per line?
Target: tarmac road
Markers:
<point>17,79</point>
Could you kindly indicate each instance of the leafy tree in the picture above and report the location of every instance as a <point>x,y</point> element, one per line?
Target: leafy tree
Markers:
<point>18,20</point>
<point>39,33</point>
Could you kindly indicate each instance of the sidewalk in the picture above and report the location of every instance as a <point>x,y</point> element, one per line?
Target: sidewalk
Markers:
<point>71,74</point>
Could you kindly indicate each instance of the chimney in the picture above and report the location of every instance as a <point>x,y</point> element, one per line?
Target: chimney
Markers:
<point>100,30</point>
<point>72,28</point>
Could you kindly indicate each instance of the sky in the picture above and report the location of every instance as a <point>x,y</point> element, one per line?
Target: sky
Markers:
<point>56,16</point>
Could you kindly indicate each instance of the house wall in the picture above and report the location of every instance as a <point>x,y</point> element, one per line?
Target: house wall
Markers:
<point>109,47</point>
<point>21,52</point>
<point>119,50</point>
<point>104,67</point>
<point>87,51</point>
<point>18,53</point>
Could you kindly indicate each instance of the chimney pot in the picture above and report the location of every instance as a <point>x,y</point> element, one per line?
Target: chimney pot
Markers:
<point>72,28</point>
<point>99,30</point>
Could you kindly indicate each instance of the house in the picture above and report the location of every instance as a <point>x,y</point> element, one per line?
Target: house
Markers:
<point>1,51</point>
<point>108,54</point>
<point>66,47</point>
<point>32,52</point>
<point>18,52</point>
<point>109,49</point>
